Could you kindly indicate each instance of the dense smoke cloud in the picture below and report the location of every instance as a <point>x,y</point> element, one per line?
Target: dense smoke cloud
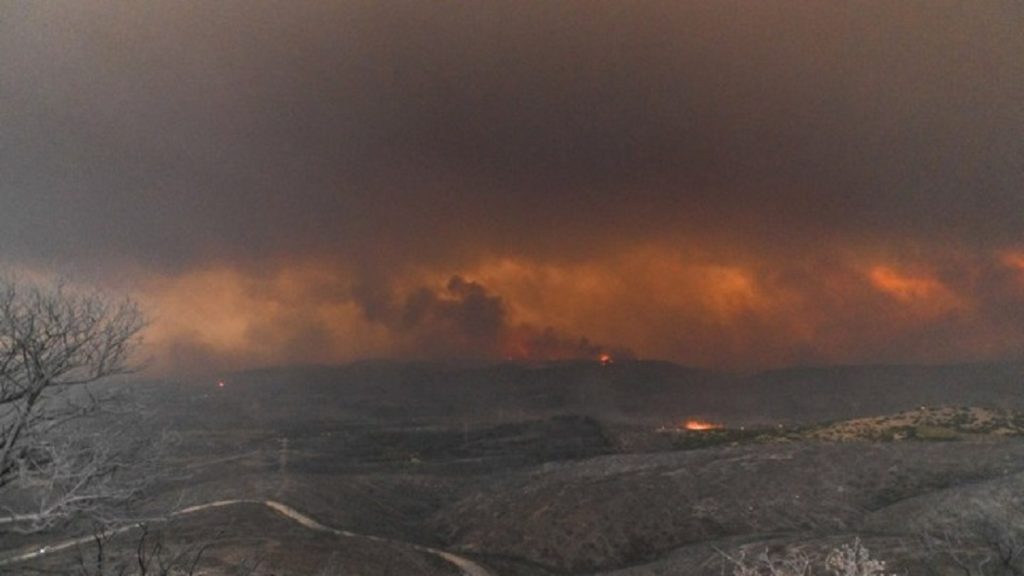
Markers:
<point>856,309</point>
<point>462,321</point>
<point>465,321</point>
<point>714,182</point>
<point>225,318</point>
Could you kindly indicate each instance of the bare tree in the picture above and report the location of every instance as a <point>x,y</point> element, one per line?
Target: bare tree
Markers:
<point>56,345</point>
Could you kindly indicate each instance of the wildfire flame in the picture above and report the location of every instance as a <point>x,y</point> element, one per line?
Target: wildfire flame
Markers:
<point>606,359</point>
<point>695,424</point>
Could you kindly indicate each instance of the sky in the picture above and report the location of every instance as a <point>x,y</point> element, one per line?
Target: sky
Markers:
<point>733,185</point>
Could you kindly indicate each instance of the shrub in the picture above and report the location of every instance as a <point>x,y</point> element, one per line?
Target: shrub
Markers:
<point>853,560</point>
<point>847,560</point>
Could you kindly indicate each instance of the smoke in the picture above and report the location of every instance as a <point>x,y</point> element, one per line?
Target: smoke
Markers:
<point>721,183</point>
<point>709,311</point>
<point>461,321</point>
<point>464,320</point>
<point>527,342</point>
<point>172,135</point>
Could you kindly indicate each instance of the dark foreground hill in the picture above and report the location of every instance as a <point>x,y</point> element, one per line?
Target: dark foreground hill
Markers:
<point>616,511</point>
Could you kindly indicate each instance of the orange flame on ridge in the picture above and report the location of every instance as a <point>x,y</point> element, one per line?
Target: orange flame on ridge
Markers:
<point>701,425</point>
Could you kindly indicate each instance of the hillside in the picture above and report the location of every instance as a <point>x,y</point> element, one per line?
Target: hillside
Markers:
<point>615,511</point>
<point>576,468</point>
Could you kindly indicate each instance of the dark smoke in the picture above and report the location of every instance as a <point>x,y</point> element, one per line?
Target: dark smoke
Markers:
<point>464,320</point>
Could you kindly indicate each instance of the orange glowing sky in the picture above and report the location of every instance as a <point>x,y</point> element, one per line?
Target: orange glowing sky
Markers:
<point>646,302</point>
<point>729,184</point>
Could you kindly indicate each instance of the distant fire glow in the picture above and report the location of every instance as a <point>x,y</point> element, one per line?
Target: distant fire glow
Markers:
<point>220,384</point>
<point>606,359</point>
<point>700,425</point>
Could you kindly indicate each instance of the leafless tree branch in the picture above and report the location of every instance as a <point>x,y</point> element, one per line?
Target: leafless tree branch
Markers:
<point>56,461</point>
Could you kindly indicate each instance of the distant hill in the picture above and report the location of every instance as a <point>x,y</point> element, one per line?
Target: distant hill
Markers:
<point>926,423</point>
<point>841,392</point>
<point>636,391</point>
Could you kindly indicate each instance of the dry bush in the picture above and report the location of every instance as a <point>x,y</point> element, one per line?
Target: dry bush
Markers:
<point>792,563</point>
<point>853,560</point>
<point>847,560</point>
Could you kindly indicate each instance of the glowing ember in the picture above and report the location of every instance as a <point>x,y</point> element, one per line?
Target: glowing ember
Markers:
<point>606,359</point>
<point>700,425</point>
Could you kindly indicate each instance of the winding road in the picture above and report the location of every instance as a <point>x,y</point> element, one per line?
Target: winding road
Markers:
<point>466,566</point>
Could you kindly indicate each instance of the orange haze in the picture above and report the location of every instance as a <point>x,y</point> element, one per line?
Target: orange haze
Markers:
<point>649,301</point>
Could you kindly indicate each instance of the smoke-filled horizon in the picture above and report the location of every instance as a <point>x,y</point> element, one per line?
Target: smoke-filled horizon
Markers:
<point>725,184</point>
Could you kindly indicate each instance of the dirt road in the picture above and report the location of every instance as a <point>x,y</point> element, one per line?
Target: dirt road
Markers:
<point>465,565</point>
